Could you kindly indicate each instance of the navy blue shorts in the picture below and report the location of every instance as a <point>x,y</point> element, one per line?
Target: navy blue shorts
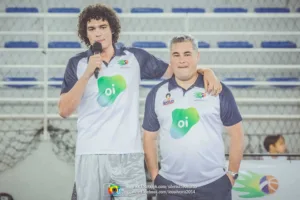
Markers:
<point>217,190</point>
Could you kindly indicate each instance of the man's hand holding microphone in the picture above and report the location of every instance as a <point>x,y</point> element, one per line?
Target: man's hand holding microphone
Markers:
<point>69,101</point>
<point>95,61</point>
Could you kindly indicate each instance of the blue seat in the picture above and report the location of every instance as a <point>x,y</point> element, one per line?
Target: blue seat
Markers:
<point>271,10</point>
<point>284,79</point>
<point>230,10</point>
<point>278,44</point>
<point>63,10</point>
<point>118,10</point>
<point>146,10</point>
<point>21,10</point>
<point>64,45</point>
<point>19,79</point>
<point>148,44</point>
<point>203,44</point>
<point>188,10</point>
<point>235,44</point>
<point>298,10</point>
<point>56,85</point>
<point>240,79</point>
<point>21,44</point>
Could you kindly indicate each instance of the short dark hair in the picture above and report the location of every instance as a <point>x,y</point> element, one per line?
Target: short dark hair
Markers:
<point>98,11</point>
<point>184,38</point>
<point>271,140</point>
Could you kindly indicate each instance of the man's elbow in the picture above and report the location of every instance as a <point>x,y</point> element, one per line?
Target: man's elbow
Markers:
<point>63,113</point>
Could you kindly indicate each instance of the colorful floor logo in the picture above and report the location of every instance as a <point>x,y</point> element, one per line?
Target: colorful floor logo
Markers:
<point>114,190</point>
<point>255,185</point>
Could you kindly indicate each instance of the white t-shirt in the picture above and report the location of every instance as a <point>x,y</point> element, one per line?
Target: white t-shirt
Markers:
<point>190,124</point>
<point>108,113</point>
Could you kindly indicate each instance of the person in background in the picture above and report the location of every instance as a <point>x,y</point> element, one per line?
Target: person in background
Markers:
<point>275,144</point>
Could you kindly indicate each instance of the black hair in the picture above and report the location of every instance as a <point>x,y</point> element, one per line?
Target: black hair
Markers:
<point>97,12</point>
<point>271,140</point>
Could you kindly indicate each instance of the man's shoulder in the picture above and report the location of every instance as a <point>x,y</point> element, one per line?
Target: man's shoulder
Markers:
<point>225,90</point>
<point>76,58</point>
<point>155,89</point>
<point>121,49</point>
<point>81,55</point>
<point>134,50</point>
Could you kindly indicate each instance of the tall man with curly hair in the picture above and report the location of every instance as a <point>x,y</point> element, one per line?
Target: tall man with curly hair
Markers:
<point>108,148</point>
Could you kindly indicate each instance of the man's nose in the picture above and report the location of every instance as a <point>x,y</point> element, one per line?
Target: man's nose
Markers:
<point>98,32</point>
<point>181,60</point>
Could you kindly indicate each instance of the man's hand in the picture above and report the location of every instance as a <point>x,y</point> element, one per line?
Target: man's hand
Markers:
<point>211,83</point>
<point>153,175</point>
<point>95,61</point>
<point>231,179</point>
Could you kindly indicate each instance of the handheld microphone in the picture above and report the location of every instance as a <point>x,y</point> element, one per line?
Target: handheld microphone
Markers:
<point>97,49</point>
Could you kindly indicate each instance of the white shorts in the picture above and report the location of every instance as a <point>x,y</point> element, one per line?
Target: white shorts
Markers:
<point>99,177</point>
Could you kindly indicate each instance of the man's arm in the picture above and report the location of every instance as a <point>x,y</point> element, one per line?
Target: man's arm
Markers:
<point>73,89</point>
<point>152,67</point>
<point>69,101</point>
<point>212,84</point>
<point>232,120</point>
<point>151,126</point>
<point>236,148</point>
<point>150,149</point>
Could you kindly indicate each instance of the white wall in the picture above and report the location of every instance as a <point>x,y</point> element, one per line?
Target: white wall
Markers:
<point>41,176</point>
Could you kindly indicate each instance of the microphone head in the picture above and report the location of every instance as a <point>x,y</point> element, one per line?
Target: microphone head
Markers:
<point>97,47</point>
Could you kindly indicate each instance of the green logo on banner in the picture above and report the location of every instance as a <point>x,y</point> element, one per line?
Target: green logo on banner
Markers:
<point>256,185</point>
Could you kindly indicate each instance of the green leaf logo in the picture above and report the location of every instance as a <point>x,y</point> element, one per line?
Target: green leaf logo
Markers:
<point>182,121</point>
<point>109,89</point>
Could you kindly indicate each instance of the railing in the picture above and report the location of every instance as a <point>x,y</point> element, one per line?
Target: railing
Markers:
<point>187,29</point>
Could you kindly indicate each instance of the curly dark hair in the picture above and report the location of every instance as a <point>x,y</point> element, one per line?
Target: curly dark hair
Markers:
<point>98,11</point>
